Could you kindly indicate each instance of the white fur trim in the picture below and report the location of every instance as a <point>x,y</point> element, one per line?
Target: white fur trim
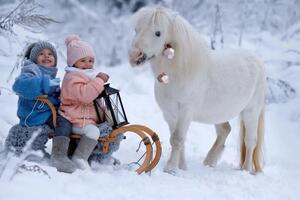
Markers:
<point>88,72</point>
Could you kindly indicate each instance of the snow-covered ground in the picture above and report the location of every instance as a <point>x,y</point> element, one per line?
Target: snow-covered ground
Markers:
<point>280,179</point>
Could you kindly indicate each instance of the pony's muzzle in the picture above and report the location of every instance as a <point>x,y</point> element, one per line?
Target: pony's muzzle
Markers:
<point>137,57</point>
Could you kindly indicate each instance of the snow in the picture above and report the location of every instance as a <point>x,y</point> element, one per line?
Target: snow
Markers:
<point>280,179</point>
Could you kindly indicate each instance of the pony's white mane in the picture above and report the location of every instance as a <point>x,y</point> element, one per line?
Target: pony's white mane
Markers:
<point>187,41</point>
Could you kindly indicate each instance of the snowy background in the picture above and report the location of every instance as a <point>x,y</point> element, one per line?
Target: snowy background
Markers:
<point>271,28</point>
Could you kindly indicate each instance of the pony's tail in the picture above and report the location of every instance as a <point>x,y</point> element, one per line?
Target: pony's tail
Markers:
<point>258,150</point>
<point>242,143</point>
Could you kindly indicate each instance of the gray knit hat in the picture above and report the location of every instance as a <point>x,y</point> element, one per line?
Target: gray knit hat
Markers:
<point>38,47</point>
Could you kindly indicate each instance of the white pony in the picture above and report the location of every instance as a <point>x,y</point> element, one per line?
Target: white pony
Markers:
<point>204,85</point>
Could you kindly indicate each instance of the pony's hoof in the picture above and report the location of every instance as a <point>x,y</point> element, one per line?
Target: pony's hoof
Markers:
<point>213,156</point>
<point>170,171</point>
<point>248,169</point>
<point>182,166</point>
<point>210,162</point>
<point>249,172</point>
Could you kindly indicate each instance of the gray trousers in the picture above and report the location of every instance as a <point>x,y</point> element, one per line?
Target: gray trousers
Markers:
<point>63,126</point>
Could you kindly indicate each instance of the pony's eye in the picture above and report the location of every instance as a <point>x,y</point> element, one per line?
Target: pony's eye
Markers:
<point>157,33</point>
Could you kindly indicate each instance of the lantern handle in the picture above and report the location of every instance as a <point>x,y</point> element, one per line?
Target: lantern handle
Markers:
<point>107,84</point>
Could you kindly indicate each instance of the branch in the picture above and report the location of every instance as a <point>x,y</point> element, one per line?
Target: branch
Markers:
<point>14,10</point>
<point>25,15</point>
<point>20,57</point>
<point>85,10</point>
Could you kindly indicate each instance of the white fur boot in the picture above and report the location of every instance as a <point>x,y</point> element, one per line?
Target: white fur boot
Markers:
<point>83,151</point>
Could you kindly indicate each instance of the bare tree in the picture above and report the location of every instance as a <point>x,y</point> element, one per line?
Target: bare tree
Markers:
<point>25,15</point>
<point>217,29</point>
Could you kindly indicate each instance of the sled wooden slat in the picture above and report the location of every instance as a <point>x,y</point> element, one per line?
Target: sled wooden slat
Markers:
<point>44,99</point>
<point>145,139</point>
<point>100,139</point>
<point>156,140</point>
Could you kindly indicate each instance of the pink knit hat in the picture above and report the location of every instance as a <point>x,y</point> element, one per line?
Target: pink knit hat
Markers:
<point>77,49</point>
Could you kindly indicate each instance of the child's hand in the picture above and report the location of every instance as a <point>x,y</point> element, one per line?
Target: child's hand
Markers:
<point>54,82</point>
<point>103,76</point>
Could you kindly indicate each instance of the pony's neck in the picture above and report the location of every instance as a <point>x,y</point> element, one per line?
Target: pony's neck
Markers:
<point>190,48</point>
<point>191,51</point>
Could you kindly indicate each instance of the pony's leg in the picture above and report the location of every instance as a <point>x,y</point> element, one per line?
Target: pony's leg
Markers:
<point>216,150</point>
<point>171,119</point>
<point>250,122</point>
<point>182,161</point>
<point>177,140</point>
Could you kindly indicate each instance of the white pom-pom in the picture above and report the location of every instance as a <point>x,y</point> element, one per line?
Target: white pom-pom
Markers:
<point>71,38</point>
<point>163,78</point>
<point>169,53</point>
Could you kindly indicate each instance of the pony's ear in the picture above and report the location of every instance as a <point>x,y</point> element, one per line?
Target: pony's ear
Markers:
<point>28,50</point>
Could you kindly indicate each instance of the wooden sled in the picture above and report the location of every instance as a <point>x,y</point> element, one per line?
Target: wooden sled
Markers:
<point>149,138</point>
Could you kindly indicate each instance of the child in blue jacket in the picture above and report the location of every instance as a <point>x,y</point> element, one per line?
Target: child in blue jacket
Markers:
<point>37,78</point>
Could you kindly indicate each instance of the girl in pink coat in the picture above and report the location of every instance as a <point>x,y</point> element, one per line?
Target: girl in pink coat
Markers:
<point>80,86</point>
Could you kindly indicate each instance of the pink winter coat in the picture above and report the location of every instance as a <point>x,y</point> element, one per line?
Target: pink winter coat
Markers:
<point>77,94</point>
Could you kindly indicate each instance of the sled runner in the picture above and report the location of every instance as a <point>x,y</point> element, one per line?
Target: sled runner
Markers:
<point>115,115</point>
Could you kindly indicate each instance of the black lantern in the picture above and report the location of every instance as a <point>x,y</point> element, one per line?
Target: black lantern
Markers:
<point>114,113</point>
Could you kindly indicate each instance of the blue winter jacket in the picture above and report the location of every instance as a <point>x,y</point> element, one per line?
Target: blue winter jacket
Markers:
<point>33,82</point>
